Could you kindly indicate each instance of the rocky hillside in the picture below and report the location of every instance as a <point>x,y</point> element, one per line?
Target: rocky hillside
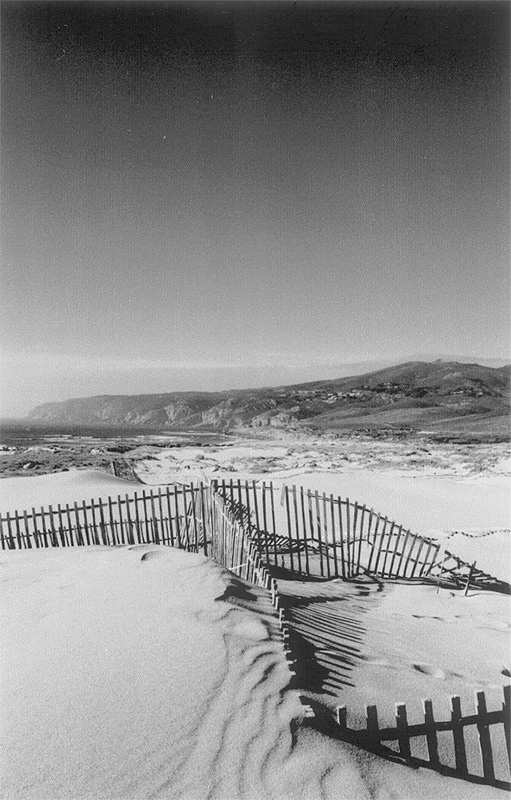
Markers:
<point>427,396</point>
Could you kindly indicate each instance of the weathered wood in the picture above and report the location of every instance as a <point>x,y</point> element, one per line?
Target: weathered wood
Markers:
<point>62,527</point>
<point>360,537</point>
<point>131,525</point>
<point>19,536</point>
<point>484,737</point>
<point>397,545</point>
<point>342,543</point>
<point>403,736</point>
<point>95,536</point>
<point>169,510</point>
<point>69,524</point>
<point>460,753</point>
<point>320,540</point>
<point>273,524</point>
<point>304,529</point>
<point>297,525</point>
<point>431,737</point>
<point>469,578</point>
<point>349,557</point>
<point>342,716</point>
<point>325,536</point>
<point>401,568</point>
<point>79,534</point>
<point>86,523</point>
<point>381,539</point>
<point>265,521</point>
<point>354,539</point>
<point>105,532</point>
<point>334,537</point>
<point>373,728</point>
<point>155,519</point>
<point>506,712</point>
<point>373,544</point>
<point>289,532</point>
<point>161,516</point>
<point>125,532</point>
<point>113,522</point>
<point>46,533</point>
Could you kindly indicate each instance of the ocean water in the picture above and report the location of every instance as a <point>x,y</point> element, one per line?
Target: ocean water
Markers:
<point>25,433</point>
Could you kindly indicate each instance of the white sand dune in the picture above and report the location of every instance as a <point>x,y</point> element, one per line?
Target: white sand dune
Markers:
<point>147,672</point>
<point>125,674</point>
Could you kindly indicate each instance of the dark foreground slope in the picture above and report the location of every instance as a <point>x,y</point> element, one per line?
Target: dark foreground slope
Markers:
<point>441,397</point>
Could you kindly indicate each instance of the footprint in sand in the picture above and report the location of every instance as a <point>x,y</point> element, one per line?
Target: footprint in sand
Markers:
<point>377,662</point>
<point>152,554</point>
<point>435,672</point>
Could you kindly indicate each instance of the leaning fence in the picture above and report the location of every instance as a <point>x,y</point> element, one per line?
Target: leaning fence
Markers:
<point>454,758</point>
<point>174,516</point>
<point>319,535</point>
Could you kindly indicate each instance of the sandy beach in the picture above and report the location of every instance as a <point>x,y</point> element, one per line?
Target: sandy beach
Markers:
<point>204,705</point>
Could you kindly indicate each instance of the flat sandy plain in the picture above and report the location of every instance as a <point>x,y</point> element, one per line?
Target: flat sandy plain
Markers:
<point>88,716</point>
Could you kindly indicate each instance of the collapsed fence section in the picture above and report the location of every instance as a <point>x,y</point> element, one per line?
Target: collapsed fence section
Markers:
<point>320,535</point>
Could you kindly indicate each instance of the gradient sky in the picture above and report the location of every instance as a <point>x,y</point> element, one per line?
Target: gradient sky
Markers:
<point>206,195</point>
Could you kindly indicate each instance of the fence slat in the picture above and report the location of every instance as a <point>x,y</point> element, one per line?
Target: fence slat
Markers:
<point>320,541</point>
<point>373,728</point>
<point>26,527</point>
<point>171,527</point>
<point>460,753</point>
<point>342,543</point>
<point>484,737</point>
<point>402,731</point>
<point>69,524</point>
<point>506,711</point>
<point>431,737</point>
<point>297,524</point>
<point>325,534</point>
<point>289,533</point>
<point>360,536</point>
<point>334,536</point>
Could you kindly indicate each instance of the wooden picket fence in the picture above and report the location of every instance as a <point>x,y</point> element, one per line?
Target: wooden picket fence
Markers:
<point>251,531</point>
<point>232,546</point>
<point>326,536</point>
<point>298,530</point>
<point>175,516</point>
<point>307,533</point>
<point>374,737</point>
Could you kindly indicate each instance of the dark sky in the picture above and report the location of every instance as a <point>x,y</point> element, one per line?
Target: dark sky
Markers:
<point>195,189</point>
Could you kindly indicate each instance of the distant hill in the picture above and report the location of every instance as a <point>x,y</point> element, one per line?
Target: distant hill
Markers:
<point>434,396</point>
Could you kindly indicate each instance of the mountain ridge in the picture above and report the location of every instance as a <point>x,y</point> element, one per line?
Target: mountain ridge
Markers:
<point>414,394</point>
